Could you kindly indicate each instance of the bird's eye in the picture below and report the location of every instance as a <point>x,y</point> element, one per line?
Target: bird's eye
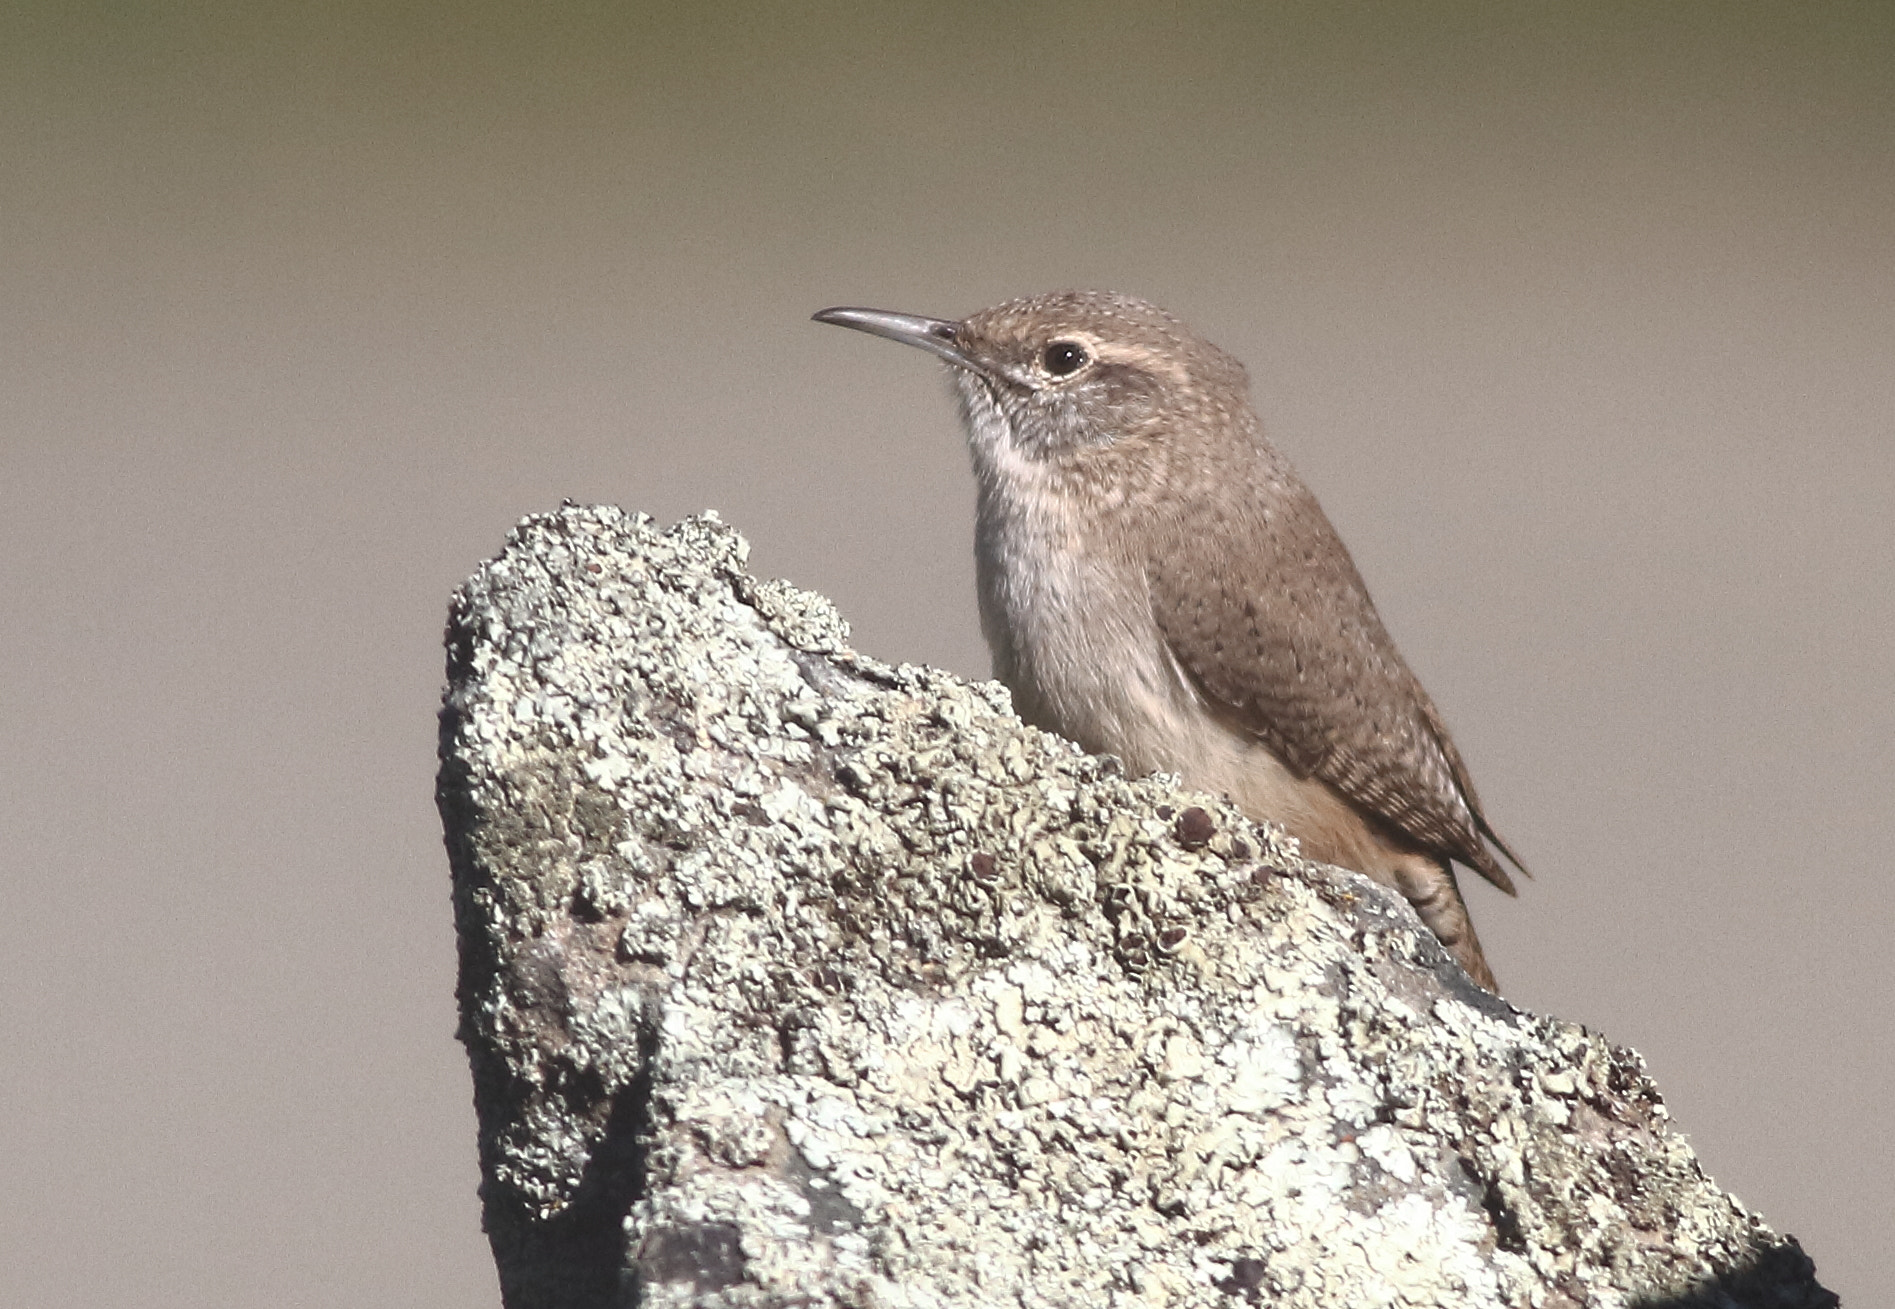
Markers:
<point>1064,358</point>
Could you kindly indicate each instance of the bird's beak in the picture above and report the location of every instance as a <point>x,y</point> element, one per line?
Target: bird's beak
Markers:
<point>935,335</point>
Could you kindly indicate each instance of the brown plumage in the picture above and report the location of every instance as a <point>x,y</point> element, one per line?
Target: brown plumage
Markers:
<point>1156,582</point>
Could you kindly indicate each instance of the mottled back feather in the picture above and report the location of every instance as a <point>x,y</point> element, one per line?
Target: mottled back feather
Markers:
<point>1321,660</point>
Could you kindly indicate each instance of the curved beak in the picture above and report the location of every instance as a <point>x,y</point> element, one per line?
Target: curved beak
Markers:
<point>935,335</point>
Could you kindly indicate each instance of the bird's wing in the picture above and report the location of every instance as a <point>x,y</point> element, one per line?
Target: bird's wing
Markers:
<point>1291,649</point>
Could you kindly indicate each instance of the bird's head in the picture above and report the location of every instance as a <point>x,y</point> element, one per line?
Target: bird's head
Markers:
<point>1060,375</point>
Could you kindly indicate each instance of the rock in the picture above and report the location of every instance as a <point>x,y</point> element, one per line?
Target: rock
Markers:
<point>792,978</point>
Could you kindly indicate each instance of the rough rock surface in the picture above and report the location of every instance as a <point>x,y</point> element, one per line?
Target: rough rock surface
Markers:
<point>791,978</point>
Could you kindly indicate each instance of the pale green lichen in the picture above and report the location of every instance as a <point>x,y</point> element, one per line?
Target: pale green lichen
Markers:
<point>834,984</point>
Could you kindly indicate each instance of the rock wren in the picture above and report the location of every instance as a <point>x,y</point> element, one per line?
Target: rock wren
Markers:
<point>1157,583</point>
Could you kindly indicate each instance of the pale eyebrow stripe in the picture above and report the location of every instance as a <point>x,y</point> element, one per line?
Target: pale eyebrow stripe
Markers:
<point>1143,358</point>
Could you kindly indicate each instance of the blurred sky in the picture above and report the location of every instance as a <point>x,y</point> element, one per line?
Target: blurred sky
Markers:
<point>1580,319</point>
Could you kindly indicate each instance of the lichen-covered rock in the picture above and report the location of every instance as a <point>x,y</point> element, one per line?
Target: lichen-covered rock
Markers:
<point>791,978</point>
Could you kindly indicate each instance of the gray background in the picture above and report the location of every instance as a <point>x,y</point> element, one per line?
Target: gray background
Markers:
<point>1580,319</point>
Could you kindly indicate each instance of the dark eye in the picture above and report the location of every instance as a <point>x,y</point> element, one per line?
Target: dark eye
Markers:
<point>1064,358</point>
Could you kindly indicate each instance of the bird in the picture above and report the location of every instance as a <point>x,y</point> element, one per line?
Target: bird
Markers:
<point>1157,583</point>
